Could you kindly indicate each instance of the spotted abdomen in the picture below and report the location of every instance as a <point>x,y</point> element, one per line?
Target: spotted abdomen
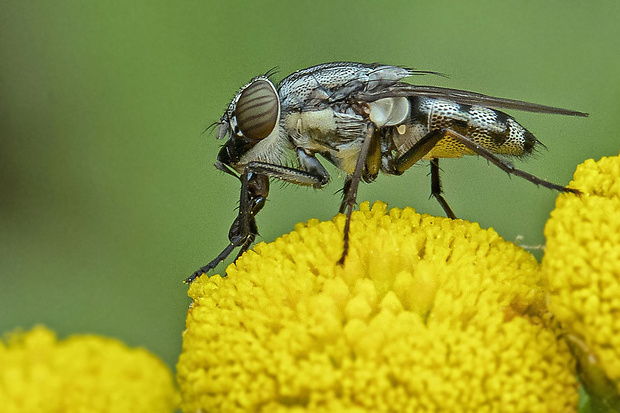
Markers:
<point>493,129</point>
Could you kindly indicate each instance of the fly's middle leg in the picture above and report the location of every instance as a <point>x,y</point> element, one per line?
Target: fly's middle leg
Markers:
<point>350,189</point>
<point>243,231</point>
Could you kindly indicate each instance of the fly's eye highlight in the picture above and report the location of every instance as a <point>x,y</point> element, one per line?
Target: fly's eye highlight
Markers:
<point>257,110</point>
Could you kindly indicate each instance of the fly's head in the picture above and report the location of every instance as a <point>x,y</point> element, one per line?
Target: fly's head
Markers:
<point>252,116</point>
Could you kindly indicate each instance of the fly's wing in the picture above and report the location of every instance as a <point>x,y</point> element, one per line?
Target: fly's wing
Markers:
<point>461,96</point>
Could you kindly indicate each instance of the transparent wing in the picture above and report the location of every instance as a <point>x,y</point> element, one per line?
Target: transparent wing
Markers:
<point>464,97</point>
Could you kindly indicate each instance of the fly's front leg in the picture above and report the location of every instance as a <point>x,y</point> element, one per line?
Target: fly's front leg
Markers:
<point>243,231</point>
<point>253,197</point>
<point>254,191</point>
<point>350,189</point>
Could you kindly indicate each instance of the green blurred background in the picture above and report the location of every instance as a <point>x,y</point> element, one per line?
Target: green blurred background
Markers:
<point>109,198</point>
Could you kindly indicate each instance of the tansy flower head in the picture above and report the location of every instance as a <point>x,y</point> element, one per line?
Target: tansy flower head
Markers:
<point>39,374</point>
<point>582,267</point>
<point>427,314</point>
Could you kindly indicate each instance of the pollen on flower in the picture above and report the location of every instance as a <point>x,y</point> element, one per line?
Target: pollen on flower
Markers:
<point>83,373</point>
<point>427,314</point>
<point>582,267</point>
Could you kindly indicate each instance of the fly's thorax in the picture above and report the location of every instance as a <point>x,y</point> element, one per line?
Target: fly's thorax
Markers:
<point>322,130</point>
<point>310,129</point>
<point>326,83</point>
<point>334,135</point>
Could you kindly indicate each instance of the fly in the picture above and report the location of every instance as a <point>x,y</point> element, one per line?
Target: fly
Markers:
<point>363,119</point>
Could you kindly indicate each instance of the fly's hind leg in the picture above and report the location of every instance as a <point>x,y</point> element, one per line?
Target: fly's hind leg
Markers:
<point>420,149</point>
<point>504,165</point>
<point>436,190</point>
<point>428,142</point>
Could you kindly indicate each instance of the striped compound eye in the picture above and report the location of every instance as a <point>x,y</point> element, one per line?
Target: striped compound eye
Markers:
<point>257,110</point>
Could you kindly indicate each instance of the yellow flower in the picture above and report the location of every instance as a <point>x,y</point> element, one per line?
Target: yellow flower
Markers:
<point>582,267</point>
<point>427,314</point>
<point>85,373</point>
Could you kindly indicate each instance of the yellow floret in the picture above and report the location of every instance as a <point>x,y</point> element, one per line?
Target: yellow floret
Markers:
<point>582,267</point>
<point>427,314</point>
<point>87,373</point>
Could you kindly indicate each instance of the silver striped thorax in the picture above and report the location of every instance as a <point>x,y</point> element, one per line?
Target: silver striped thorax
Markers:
<point>363,119</point>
